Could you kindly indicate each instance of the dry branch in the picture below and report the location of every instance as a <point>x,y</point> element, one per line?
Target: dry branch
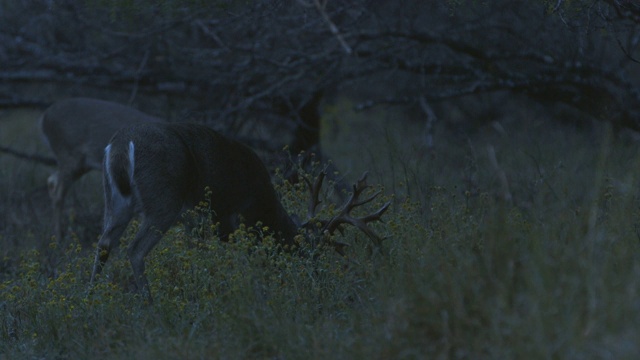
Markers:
<point>45,160</point>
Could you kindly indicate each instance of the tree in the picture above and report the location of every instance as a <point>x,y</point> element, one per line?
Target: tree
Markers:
<point>268,62</point>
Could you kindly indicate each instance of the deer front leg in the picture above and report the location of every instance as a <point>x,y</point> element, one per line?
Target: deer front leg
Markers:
<point>57,191</point>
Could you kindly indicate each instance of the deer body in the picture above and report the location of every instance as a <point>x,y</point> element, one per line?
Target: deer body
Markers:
<point>159,170</point>
<point>77,130</point>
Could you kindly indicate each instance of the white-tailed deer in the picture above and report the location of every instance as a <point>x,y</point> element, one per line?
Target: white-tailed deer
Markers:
<point>77,130</point>
<point>159,170</point>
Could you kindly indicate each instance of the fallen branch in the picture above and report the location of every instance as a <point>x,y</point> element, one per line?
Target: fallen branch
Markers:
<point>45,160</point>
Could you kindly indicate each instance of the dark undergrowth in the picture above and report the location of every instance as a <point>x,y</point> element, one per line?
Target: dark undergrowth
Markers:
<point>554,272</point>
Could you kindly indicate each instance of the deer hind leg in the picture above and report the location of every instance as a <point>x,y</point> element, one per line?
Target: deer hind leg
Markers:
<point>147,237</point>
<point>150,233</point>
<point>119,211</point>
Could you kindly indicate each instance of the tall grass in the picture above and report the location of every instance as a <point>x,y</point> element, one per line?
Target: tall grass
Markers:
<point>461,275</point>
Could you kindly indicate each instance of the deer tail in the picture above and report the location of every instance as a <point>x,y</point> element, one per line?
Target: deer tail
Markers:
<point>119,167</point>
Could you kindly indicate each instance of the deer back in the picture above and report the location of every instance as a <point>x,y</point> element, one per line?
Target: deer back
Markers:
<point>80,128</point>
<point>173,163</point>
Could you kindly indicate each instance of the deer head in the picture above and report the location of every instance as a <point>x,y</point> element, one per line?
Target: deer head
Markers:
<point>77,130</point>
<point>160,170</point>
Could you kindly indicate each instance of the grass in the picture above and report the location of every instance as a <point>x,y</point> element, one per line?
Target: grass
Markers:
<point>555,273</point>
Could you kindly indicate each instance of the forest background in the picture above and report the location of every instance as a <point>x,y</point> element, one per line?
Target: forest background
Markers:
<point>503,132</point>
